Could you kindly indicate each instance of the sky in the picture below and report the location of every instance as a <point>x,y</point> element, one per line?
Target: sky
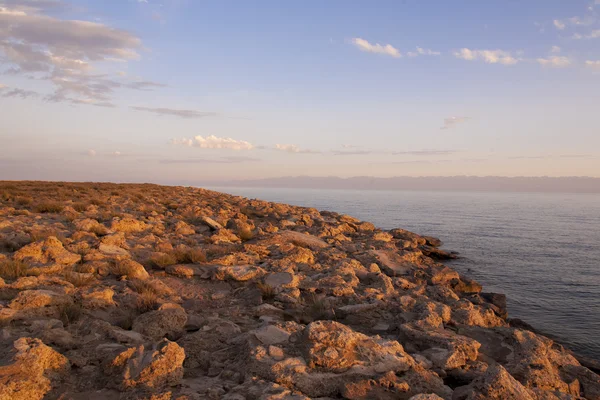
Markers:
<point>172,90</point>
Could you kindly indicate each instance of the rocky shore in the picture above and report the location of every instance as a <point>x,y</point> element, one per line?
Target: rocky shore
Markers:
<point>147,292</point>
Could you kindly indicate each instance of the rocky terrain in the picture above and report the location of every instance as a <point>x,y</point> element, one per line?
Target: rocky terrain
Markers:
<point>147,292</point>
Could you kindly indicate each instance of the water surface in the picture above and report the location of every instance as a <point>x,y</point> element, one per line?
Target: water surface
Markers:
<point>542,250</point>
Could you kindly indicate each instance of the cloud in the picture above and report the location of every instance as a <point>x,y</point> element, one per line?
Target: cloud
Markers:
<point>91,153</point>
<point>451,122</point>
<point>214,142</point>
<point>558,24</point>
<point>377,48</point>
<point>423,52</point>
<point>8,92</point>
<point>554,61</point>
<point>175,112</point>
<point>66,53</point>
<point>593,64</point>
<point>488,56</point>
<point>222,160</point>
<point>555,49</point>
<point>292,148</point>
<point>355,152</point>
<point>595,34</point>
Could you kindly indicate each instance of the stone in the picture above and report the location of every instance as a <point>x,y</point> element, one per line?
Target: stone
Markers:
<point>30,370</point>
<point>495,384</point>
<point>39,299</point>
<point>270,334</point>
<point>169,319</point>
<point>151,368</point>
<point>239,273</point>
<point>128,225</point>
<point>47,251</point>
<point>131,269</point>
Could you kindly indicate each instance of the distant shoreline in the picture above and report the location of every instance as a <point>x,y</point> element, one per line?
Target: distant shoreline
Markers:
<point>454,183</point>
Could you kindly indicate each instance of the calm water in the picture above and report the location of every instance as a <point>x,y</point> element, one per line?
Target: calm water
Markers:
<point>541,250</point>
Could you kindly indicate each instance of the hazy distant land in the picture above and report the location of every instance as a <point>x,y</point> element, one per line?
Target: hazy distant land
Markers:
<point>459,183</point>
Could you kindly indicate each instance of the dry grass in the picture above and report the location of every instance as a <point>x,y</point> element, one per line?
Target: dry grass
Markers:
<point>7,294</point>
<point>80,207</point>
<point>317,308</point>
<point>70,313</point>
<point>79,279</point>
<point>189,256</point>
<point>163,260</point>
<point>147,301</point>
<point>10,269</point>
<point>267,292</point>
<point>48,207</point>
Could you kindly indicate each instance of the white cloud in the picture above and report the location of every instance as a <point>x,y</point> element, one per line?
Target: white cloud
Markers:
<point>91,153</point>
<point>488,56</point>
<point>214,142</point>
<point>450,122</point>
<point>65,53</point>
<point>290,148</point>
<point>558,24</point>
<point>554,61</point>
<point>555,49</point>
<point>593,64</point>
<point>377,48</point>
<point>116,153</point>
<point>595,34</point>
<point>423,52</point>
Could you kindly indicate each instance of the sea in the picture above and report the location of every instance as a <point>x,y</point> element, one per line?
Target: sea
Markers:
<point>540,249</point>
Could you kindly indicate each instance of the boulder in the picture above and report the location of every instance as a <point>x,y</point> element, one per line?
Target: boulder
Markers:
<point>495,384</point>
<point>47,251</point>
<point>30,370</point>
<point>152,368</point>
<point>169,319</point>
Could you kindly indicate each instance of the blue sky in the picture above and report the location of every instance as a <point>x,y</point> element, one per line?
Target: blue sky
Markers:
<point>210,90</point>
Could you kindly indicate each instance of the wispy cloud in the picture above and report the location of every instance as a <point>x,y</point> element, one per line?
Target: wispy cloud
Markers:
<point>451,122</point>
<point>376,48</point>
<point>558,24</point>
<point>555,49</point>
<point>554,61</point>
<point>175,112</point>
<point>65,53</point>
<point>595,34</point>
<point>214,142</point>
<point>221,160</point>
<point>423,52</point>
<point>424,152</point>
<point>593,64</point>
<point>292,148</point>
<point>8,92</point>
<point>488,56</point>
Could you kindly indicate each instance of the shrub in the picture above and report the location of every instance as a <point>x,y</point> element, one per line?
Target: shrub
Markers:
<point>48,207</point>
<point>24,200</point>
<point>11,269</point>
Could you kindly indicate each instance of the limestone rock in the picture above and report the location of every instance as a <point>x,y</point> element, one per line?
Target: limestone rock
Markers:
<point>50,250</point>
<point>152,367</point>
<point>29,371</point>
<point>168,319</point>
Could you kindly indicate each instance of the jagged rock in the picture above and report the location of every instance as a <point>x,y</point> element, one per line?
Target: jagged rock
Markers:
<point>48,251</point>
<point>211,223</point>
<point>128,225</point>
<point>168,319</point>
<point>91,225</point>
<point>39,299</point>
<point>30,369</point>
<point>152,367</point>
<point>97,298</point>
<point>131,269</point>
<point>495,384</point>
<point>238,273</point>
